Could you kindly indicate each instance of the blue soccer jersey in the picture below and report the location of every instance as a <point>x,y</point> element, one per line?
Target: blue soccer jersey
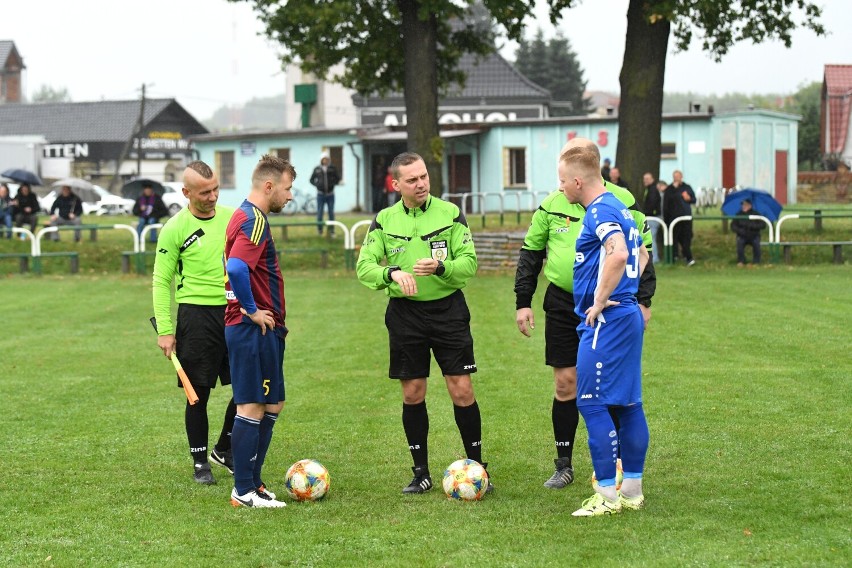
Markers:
<point>605,216</point>
<point>609,357</point>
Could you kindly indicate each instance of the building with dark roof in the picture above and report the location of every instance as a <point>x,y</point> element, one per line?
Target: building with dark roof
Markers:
<point>87,139</point>
<point>494,91</point>
<point>11,72</point>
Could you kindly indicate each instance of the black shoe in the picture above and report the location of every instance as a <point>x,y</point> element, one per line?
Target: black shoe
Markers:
<point>224,459</point>
<point>490,488</point>
<point>562,476</point>
<point>203,475</point>
<point>421,483</point>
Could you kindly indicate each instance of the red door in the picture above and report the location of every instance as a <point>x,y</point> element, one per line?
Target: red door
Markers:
<point>729,168</point>
<point>781,176</point>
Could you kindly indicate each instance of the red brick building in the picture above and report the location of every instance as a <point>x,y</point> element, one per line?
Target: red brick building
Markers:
<point>11,71</point>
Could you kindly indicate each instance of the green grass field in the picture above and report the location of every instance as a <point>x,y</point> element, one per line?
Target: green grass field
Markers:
<point>746,386</point>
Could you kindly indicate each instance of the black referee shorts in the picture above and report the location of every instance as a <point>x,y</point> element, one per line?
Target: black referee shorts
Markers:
<point>415,328</point>
<point>201,348</point>
<point>561,340</point>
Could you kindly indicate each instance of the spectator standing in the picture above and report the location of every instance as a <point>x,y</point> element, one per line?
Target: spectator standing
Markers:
<point>149,207</point>
<point>677,202</point>
<point>748,233</point>
<point>605,169</point>
<point>324,178</point>
<point>615,178</point>
<point>651,206</point>
<point>66,210</point>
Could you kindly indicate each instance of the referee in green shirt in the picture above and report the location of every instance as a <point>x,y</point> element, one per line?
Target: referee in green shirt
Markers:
<point>430,257</point>
<point>553,234</point>
<point>190,250</point>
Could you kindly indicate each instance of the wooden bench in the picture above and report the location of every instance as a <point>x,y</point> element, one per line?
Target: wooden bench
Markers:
<point>23,259</point>
<point>837,247</point>
<point>72,256</point>
<point>323,254</point>
<point>139,258</point>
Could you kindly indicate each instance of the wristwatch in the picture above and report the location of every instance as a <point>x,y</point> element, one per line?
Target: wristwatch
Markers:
<point>390,270</point>
<point>439,271</point>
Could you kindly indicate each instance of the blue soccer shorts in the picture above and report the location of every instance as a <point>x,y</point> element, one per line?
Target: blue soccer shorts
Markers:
<point>257,363</point>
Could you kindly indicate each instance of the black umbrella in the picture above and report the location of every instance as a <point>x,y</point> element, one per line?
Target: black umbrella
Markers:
<point>133,189</point>
<point>22,176</point>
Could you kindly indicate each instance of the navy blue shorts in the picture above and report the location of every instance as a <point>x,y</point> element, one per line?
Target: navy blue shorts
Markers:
<point>440,326</point>
<point>257,364</point>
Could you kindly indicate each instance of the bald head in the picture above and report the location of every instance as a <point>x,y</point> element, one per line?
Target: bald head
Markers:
<point>201,187</point>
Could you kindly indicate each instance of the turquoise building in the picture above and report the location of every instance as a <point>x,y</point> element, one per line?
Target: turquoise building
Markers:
<point>515,160</point>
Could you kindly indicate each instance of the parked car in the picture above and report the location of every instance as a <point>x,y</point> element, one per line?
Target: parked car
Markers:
<point>173,196</point>
<point>107,203</point>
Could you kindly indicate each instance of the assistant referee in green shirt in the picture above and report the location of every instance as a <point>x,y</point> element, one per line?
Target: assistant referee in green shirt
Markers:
<point>430,257</point>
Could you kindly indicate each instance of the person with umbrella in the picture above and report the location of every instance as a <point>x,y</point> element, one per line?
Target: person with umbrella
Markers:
<point>150,208</point>
<point>66,210</point>
<point>26,207</point>
<point>748,232</point>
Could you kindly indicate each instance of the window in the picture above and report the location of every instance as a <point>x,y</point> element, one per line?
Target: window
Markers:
<point>515,168</point>
<point>668,150</point>
<point>226,170</point>
<point>283,153</point>
<point>336,155</point>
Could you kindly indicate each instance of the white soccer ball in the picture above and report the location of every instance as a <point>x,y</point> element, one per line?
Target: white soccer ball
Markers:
<point>307,480</point>
<point>465,480</point>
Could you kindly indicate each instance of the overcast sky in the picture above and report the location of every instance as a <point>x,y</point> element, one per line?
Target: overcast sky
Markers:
<point>207,53</point>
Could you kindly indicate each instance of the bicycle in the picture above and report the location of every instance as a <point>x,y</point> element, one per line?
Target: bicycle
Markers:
<point>302,203</point>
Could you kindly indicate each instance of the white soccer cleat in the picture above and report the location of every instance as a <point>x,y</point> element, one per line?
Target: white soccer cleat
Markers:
<point>598,505</point>
<point>255,499</point>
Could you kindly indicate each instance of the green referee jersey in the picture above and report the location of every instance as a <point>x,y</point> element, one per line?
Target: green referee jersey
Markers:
<point>555,226</point>
<point>403,236</point>
<point>190,252</point>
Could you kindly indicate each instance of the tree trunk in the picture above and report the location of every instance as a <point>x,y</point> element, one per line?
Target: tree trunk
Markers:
<point>420,56</point>
<point>641,108</point>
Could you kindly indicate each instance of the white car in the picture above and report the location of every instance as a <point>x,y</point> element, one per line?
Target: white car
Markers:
<point>107,204</point>
<point>173,197</point>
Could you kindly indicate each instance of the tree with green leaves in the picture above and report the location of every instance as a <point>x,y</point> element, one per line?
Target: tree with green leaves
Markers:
<point>806,103</point>
<point>718,25</point>
<point>47,94</point>
<point>554,65</point>
<point>413,46</point>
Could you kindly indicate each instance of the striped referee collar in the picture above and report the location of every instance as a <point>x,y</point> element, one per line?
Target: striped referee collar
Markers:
<point>422,208</point>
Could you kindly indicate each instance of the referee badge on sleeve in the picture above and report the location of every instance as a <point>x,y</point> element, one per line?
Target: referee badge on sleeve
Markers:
<point>439,250</point>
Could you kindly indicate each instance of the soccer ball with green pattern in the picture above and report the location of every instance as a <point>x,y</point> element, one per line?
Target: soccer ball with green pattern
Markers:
<point>307,480</point>
<point>465,480</point>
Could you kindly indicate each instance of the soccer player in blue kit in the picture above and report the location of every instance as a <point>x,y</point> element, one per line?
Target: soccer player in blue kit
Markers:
<point>254,328</point>
<point>609,259</point>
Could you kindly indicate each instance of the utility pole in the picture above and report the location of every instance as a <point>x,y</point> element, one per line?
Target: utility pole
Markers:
<point>137,130</point>
<point>139,125</point>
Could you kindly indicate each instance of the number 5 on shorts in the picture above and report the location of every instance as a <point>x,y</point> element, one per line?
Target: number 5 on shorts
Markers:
<point>266,387</point>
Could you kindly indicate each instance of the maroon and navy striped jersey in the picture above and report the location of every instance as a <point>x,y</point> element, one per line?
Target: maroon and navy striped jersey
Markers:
<point>249,239</point>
